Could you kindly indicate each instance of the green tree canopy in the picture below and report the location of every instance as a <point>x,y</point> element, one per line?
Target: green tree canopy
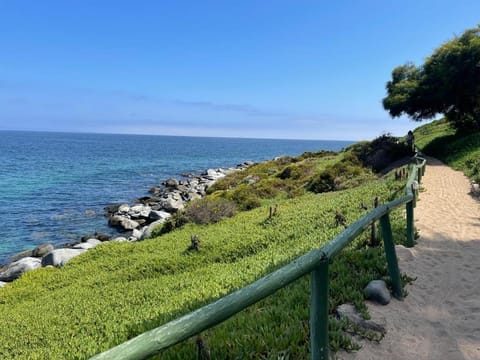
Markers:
<point>447,83</point>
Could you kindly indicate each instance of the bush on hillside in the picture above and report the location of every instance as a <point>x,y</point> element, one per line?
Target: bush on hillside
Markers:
<point>381,152</point>
<point>295,171</point>
<point>244,197</point>
<point>268,188</point>
<point>209,211</point>
<point>339,176</point>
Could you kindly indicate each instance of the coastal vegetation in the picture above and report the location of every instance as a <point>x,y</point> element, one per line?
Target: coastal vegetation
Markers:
<point>118,290</point>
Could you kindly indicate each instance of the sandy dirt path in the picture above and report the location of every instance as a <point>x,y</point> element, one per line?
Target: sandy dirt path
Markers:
<point>440,317</point>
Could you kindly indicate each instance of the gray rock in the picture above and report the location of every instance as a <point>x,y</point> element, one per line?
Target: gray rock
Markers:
<point>140,211</point>
<point>17,268</point>
<point>113,208</point>
<point>123,222</point>
<point>21,255</point>
<point>172,205</point>
<point>137,234</point>
<point>147,232</point>
<point>475,188</point>
<point>158,215</point>
<point>60,257</point>
<point>89,244</point>
<point>115,220</point>
<point>119,239</point>
<point>2,284</point>
<point>193,195</point>
<point>155,190</point>
<point>84,246</point>
<point>94,242</point>
<point>102,237</point>
<point>123,209</point>
<point>377,291</point>
<point>171,183</point>
<point>42,250</point>
<point>349,312</point>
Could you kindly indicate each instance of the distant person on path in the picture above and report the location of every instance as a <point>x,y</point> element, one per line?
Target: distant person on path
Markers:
<point>410,142</point>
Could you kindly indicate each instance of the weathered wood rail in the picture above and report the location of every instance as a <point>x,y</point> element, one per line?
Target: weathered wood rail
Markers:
<point>315,262</point>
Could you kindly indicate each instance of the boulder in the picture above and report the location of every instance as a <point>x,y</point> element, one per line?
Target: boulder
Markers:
<point>113,208</point>
<point>17,268</point>
<point>84,246</point>
<point>89,244</point>
<point>42,250</point>
<point>94,242</point>
<point>123,222</point>
<point>60,257</point>
<point>155,215</point>
<point>155,190</point>
<point>147,232</point>
<point>171,183</point>
<point>139,211</point>
<point>137,234</point>
<point>193,195</point>
<point>102,237</point>
<point>2,284</point>
<point>377,291</point>
<point>172,205</point>
<point>21,255</point>
<point>123,209</point>
<point>120,239</point>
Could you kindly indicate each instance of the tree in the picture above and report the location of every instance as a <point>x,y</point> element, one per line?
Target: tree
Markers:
<point>447,83</point>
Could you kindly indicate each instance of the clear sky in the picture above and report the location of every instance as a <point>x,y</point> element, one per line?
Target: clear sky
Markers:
<point>249,68</point>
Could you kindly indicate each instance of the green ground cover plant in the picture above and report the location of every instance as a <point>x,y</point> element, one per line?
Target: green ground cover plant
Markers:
<point>457,149</point>
<point>120,290</point>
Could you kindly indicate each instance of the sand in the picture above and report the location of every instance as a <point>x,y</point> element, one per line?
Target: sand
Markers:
<point>440,317</point>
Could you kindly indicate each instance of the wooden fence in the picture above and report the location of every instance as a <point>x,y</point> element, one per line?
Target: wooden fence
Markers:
<point>315,262</point>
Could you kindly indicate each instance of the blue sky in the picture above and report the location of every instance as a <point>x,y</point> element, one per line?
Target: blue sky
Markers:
<point>263,68</point>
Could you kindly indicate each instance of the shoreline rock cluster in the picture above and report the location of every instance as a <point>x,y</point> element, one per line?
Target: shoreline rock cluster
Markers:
<point>134,222</point>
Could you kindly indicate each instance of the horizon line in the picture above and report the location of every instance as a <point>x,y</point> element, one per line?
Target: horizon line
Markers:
<point>165,135</point>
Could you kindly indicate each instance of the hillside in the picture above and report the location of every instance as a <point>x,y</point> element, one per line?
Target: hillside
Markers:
<point>461,151</point>
<point>118,290</point>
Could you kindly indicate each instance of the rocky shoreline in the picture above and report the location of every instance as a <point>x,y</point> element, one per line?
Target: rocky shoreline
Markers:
<point>134,222</point>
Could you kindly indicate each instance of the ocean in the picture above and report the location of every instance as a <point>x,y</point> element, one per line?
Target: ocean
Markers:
<point>54,186</point>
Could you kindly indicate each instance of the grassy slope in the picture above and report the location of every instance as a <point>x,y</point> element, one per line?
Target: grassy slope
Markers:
<point>460,151</point>
<point>119,290</point>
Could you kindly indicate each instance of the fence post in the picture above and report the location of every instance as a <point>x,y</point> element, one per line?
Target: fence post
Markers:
<point>419,175</point>
<point>373,232</point>
<point>319,312</point>
<point>410,228</point>
<point>391,256</point>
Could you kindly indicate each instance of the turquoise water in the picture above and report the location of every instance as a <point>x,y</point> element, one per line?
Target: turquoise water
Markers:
<point>53,186</point>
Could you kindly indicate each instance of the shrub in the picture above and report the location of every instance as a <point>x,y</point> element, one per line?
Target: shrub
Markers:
<point>209,211</point>
<point>340,176</point>
<point>380,152</point>
<point>322,182</point>
<point>244,198</point>
<point>268,188</point>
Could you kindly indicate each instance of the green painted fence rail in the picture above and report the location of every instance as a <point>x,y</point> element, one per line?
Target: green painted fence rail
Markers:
<point>315,262</point>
